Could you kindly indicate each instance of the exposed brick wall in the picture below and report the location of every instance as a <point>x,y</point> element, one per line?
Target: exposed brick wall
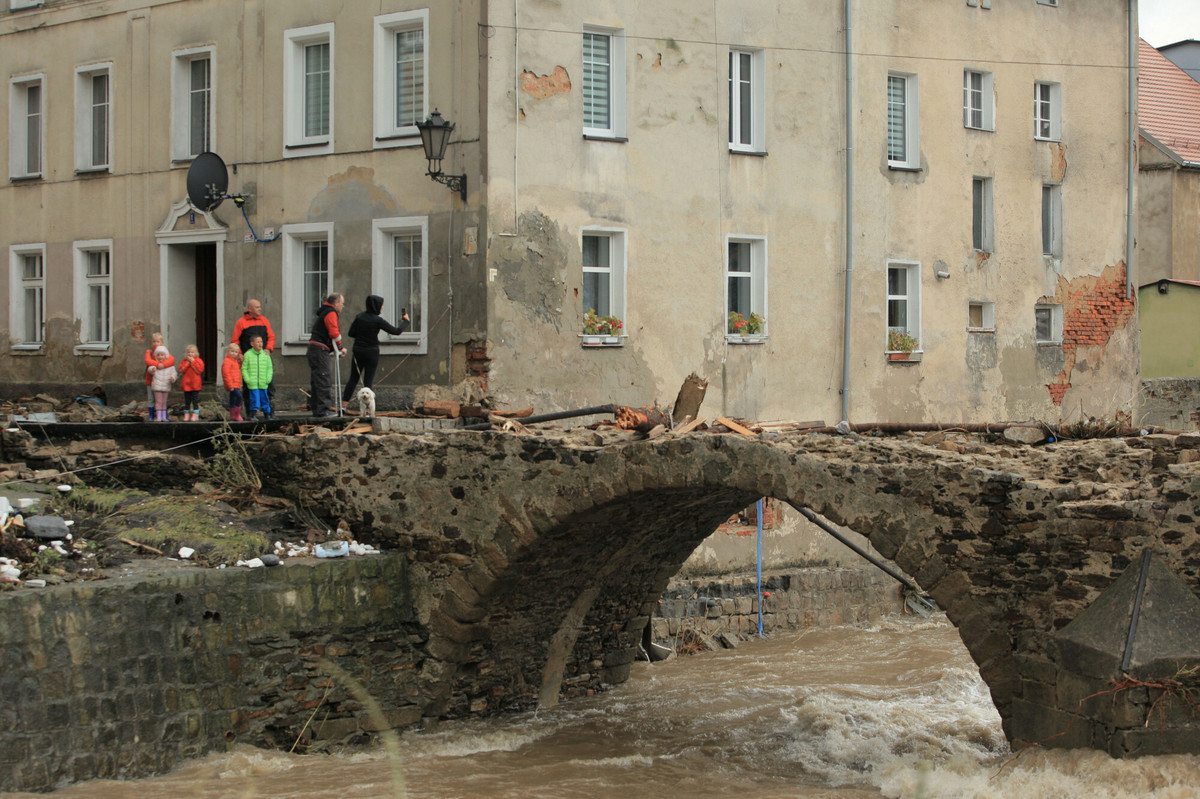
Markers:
<point>745,522</point>
<point>478,362</point>
<point>1093,309</point>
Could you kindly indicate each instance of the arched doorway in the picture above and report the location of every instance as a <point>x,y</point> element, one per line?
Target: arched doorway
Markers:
<point>192,283</point>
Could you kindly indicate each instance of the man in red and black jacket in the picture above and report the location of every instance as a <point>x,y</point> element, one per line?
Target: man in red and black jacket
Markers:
<point>323,339</point>
<point>252,324</point>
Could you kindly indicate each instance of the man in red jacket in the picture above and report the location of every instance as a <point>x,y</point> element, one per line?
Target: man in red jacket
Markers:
<point>252,324</point>
<point>325,338</point>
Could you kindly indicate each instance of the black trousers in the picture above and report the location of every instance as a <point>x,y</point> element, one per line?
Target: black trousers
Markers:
<point>320,403</point>
<point>363,362</point>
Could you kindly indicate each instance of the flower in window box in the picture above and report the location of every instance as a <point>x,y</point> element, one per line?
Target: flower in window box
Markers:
<point>740,325</point>
<point>596,325</point>
<point>900,341</point>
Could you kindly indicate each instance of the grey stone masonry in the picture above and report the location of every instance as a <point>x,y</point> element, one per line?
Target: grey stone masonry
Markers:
<point>528,566</point>
<point>126,677</point>
<point>814,597</point>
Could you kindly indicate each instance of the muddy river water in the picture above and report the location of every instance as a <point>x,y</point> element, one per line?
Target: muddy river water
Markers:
<point>896,709</point>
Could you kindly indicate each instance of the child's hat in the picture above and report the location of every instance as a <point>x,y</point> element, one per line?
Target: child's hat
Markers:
<point>161,351</point>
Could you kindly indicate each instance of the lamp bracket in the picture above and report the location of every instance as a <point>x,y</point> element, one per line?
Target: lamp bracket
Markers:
<point>456,183</point>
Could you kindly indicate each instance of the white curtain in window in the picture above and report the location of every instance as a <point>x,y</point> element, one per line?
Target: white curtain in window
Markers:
<point>316,89</point>
<point>597,76</point>
<point>897,118</point>
<point>410,76</point>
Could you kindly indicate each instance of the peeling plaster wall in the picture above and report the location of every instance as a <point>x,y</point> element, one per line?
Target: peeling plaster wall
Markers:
<point>676,190</point>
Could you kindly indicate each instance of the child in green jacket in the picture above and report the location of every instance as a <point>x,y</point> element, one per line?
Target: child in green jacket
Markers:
<point>257,372</point>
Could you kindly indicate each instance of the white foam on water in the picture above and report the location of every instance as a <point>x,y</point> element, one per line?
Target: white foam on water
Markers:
<point>1053,774</point>
<point>460,741</point>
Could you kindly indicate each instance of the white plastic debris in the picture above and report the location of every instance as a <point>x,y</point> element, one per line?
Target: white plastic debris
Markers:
<point>25,503</point>
<point>186,552</point>
<point>253,563</point>
<point>9,573</point>
<point>332,549</point>
<point>64,488</point>
<point>36,583</point>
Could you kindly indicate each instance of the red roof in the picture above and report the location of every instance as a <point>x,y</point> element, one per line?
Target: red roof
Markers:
<point>1168,103</point>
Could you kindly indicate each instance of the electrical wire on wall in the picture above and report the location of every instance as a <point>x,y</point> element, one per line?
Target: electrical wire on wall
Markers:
<point>242,205</point>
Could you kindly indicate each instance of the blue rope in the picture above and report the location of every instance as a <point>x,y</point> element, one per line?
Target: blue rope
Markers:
<point>759,514</point>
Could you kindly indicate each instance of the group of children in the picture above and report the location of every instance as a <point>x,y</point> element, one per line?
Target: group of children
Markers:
<point>253,369</point>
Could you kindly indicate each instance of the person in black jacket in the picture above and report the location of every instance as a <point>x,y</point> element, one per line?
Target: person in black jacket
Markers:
<point>364,330</point>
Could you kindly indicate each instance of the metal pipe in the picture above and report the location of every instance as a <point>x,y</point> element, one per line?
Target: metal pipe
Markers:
<point>549,417</point>
<point>1137,611</point>
<point>824,525</point>
<point>849,223</point>
<point>973,427</point>
<point>1132,133</point>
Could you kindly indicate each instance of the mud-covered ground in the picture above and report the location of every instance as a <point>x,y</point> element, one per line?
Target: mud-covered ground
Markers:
<point>147,506</point>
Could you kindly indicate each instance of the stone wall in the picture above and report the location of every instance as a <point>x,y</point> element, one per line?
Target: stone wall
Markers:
<point>128,676</point>
<point>791,600</point>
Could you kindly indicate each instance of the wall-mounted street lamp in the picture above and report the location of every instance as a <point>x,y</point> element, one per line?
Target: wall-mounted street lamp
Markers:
<point>435,135</point>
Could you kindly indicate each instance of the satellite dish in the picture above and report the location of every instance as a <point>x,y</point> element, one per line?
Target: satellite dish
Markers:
<point>207,181</point>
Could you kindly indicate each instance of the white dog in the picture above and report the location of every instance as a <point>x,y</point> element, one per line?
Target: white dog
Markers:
<point>366,403</point>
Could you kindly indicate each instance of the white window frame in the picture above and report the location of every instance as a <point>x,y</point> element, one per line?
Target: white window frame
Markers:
<point>979,102</point>
<point>615,75</point>
<point>181,102</point>
<point>296,317</point>
<point>85,119</point>
<point>18,284</point>
<point>618,252</point>
<point>911,118</point>
<point>911,298</point>
<point>987,316</point>
<point>1053,314</point>
<point>387,132</point>
<point>295,142</point>
<point>82,296</point>
<point>1048,3</point>
<point>17,5</point>
<point>383,270</point>
<point>20,148</point>
<point>758,286</point>
<point>747,78</point>
<point>1047,111</point>
<point>1052,209</point>
<point>983,226</point>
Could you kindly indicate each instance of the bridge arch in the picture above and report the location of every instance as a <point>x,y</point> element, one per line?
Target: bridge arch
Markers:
<point>539,559</point>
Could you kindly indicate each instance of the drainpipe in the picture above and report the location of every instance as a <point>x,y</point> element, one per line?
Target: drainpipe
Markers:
<point>847,305</point>
<point>1133,50</point>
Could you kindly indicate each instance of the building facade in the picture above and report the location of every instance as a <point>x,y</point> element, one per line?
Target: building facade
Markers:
<point>691,176</point>
<point>1168,217</point>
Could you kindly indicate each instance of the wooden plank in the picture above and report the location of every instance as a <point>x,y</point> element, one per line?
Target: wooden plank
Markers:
<point>520,413</point>
<point>734,426</point>
<point>689,426</point>
<point>788,424</point>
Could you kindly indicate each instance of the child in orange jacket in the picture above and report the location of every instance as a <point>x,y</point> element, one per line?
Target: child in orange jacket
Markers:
<point>231,377</point>
<point>191,380</point>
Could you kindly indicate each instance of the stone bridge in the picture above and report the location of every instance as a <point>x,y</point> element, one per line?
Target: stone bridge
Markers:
<point>535,561</point>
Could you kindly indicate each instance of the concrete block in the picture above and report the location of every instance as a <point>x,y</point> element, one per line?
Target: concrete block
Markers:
<point>393,424</point>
